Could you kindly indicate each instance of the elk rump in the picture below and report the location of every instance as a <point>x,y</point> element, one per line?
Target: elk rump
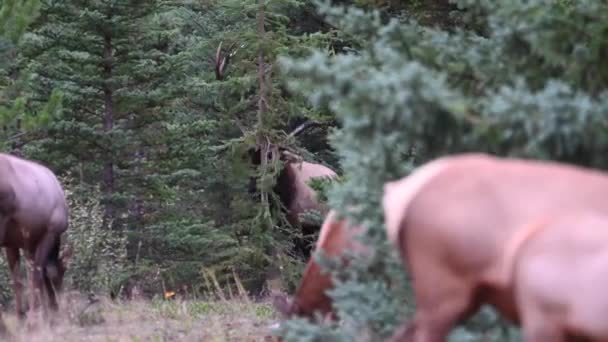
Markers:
<point>33,215</point>
<point>559,272</point>
<point>452,217</point>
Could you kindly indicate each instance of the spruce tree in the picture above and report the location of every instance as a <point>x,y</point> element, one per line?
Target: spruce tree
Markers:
<point>109,60</point>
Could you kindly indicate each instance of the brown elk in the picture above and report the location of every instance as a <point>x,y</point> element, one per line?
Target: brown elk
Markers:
<point>557,266</point>
<point>452,218</point>
<point>336,236</point>
<point>295,195</point>
<point>33,215</point>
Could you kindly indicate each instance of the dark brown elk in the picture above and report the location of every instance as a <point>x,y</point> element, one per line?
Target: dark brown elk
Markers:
<point>336,236</point>
<point>33,216</point>
<point>451,219</point>
<point>558,269</point>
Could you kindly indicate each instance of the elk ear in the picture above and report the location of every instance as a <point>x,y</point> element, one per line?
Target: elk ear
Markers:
<point>66,254</point>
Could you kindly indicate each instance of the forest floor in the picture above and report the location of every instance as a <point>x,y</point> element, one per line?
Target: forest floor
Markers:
<point>156,320</point>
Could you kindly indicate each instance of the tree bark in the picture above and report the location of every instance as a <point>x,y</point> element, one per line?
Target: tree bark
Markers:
<point>136,208</point>
<point>17,143</point>
<point>263,96</point>
<point>273,272</point>
<point>108,126</point>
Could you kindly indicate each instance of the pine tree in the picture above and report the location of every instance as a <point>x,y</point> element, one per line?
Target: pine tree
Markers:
<point>109,60</point>
<point>20,121</point>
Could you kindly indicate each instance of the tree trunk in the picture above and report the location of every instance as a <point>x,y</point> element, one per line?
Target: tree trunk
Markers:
<point>17,144</point>
<point>136,208</point>
<point>273,272</point>
<point>108,126</point>
<point>263,96</point>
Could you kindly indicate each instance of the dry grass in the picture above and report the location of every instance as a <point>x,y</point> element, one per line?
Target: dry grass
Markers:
<point>156,320</point>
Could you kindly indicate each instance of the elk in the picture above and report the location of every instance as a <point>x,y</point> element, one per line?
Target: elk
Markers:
<point>335,237</point>
<point>295,195</point>
<point>33,216</point>
<point>452,218</point>
<point>556,266</point>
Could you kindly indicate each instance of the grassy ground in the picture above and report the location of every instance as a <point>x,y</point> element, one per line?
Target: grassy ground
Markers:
<point>157,320</point>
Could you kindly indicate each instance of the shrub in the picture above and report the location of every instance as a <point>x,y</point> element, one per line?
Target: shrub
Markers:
<point>98,262</point>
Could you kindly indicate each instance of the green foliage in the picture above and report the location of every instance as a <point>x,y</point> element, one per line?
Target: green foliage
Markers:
<point>99,255</point>
<point>15,16</point>
<point>532,85</point>
<point>7,294</point>
<point>20,119</point>
<point>113,83</point>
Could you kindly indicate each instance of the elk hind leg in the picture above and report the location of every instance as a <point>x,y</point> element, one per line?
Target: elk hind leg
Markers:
<point>439,307</point>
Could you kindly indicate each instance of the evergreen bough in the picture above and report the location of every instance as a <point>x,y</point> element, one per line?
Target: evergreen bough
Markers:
<point>528,82</point>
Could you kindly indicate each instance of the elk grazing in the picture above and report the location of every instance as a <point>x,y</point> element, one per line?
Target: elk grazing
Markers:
<point>336,236</point>
<point>33,215</point>
<point>452,218</point>
<point>557,267</point>
<point>295,195</point>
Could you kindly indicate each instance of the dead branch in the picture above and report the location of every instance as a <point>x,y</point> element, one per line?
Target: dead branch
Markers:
<point>222,59</point>
<point>306,125</point>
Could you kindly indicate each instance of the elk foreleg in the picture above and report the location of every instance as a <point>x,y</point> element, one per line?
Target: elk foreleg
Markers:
<point>12,256</point>
<point>7,210</point>
<point>442,300</point>
<point>310,295</point>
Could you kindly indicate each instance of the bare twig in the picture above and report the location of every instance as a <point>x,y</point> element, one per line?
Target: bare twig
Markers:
<point>306,125</point>
<point>222,59</point>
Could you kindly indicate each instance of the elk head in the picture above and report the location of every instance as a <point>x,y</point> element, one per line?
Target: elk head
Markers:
<point>266,152</point>
<point>56,271</point>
